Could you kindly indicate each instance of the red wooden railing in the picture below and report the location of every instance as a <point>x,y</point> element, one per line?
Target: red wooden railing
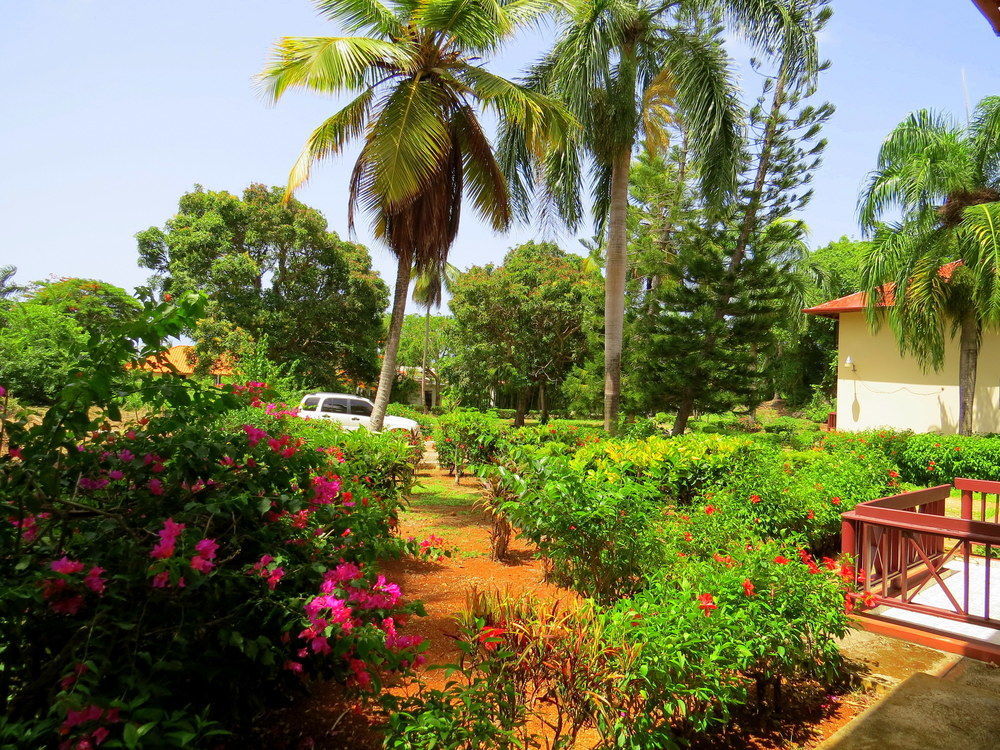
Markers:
<point>901,545</point>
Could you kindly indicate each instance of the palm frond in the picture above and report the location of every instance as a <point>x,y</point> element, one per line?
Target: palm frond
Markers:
<point>331,64</point>
<point>985,132</point>
<point>330,137</point>
<point>409,141</point>
<point>474,25</point>
<point>710,109</point>
<point>485,181</point>
<point>358,15</point>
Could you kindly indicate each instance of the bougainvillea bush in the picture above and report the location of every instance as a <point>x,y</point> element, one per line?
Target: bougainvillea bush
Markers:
<point>165,581</point>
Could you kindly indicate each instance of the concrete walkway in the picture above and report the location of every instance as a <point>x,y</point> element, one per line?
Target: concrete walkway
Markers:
<point>958,707</point>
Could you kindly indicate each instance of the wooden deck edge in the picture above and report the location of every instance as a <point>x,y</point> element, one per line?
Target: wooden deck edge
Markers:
<point>930,637</point>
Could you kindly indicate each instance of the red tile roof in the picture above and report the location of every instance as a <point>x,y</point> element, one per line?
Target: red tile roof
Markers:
<point>859,300</point>
<point>180,360</point>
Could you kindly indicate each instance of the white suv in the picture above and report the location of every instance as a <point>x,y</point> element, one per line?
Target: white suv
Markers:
<point>351,412</point>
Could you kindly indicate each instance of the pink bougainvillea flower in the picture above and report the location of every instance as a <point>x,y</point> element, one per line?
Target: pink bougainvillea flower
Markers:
<point>361,675</point>
<point>66,566</point>
<point>274,577</point>
<point>94,580</point>
<point>155,486</point>
<point>254,434</point>
<point>161,580</point>
<point>293,666</point>
<point>115,474</point>
<point>15,453</point>
<point>126,456</point>
<point>782,560</point>
<point>202,564</point>
<point>748,588</point>
<point>706,603</point>
<point>86,483</point>
<point>3,391</point>
<point>207,548</point>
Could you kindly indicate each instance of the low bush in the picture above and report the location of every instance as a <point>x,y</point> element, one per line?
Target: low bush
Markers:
<point>427,421</point>
<point>644,672</point>
<point>938,459</point>
<point>465,439</point>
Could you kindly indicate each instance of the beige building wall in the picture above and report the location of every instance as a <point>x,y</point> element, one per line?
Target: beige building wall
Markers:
<point>885,389</point>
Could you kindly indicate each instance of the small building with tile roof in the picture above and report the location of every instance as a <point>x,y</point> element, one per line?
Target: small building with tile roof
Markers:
<point>879,387</point>
<point>180,360</point>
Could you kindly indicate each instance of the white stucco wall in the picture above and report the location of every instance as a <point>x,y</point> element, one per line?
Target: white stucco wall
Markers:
<point>888,390</point>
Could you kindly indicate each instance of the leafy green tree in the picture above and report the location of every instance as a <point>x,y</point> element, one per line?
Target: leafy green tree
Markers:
<point>94,305</point>
<point>691,358</point>
<point>272,270</point>
<point>420,86</point>
<point>944,181</point>
<point>627,69</point>
<point>39,350</point>
<point>520,326</point>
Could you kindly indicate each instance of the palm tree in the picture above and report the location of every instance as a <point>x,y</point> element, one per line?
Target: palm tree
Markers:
<point>622,67</point>
<point>8,288</point>
<point>943,179</point>
<point>420,86</point>
<point>428,291</point>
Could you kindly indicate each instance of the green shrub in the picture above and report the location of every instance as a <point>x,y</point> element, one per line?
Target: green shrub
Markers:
<point>426,421</point>
<point>599,533</point>
<point>40,348</point>
<point>465,439</point>
<point>938,459</point>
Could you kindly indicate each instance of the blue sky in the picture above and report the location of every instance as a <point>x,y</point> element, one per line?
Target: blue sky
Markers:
<point>113,108</point>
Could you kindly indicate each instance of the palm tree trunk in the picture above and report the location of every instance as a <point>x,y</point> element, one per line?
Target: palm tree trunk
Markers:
<point>967,365</point>
<point>387,377</point>
<point>423,364</point>
<point>614,288</point>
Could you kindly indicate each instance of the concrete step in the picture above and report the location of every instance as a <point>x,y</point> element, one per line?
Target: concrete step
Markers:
<point>925,712</point>
<point>976,674</point>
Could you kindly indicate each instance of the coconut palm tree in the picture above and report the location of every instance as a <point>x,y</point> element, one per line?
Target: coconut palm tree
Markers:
<point>943,181</point>
<point>8,288</point>
<point>622,67</point>
<point>429,286</point>
<point>420,86</point>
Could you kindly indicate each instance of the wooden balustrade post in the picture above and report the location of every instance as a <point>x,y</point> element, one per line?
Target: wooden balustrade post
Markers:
<point>967,505</point>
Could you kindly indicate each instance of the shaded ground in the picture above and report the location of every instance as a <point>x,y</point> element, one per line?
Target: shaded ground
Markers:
<point>438,506</point>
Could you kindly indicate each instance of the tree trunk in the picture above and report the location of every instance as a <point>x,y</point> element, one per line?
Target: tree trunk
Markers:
<point>614,288</point>
<point>522,407</point>
<point>423,363</point>
<point>387,377</point>
<point>543,404</point>
<point>967,364</point>
<point>683,415</point>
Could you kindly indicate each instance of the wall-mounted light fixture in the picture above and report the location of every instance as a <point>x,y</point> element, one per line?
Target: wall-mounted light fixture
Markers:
<point>849,364</point>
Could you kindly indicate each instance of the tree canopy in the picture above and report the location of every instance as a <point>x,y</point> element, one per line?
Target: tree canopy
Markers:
<point>93,304</point>
<point>272,269</point>
<point>519,327</point>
